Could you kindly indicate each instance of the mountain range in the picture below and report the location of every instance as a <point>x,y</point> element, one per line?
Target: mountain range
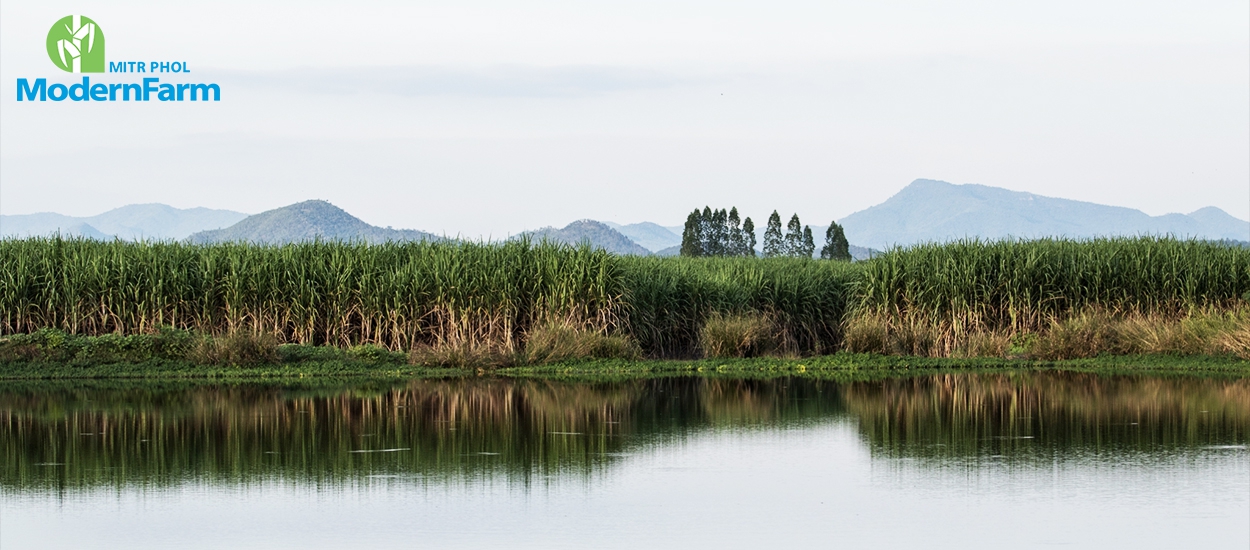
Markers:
<point>132,222</point>
<point>651,236</point>
<point>923,211</point>
<point>936,211</point>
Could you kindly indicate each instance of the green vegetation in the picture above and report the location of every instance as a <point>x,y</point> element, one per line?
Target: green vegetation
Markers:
<point>474,305</point>
<point>977,298</point>
<point>559,353</point>
<point>670,299</point>
<point>798,239</point>
<point>836,247</point>
<point>795,243</point>
<point>401,296</point>
<point>717,233</point>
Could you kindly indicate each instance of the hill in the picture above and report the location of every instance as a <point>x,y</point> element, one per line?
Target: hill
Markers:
<point>929,210</point>
<point>596,234</point>
<point>132,222</point>
<point>651,236</point>
<point>307,221</point>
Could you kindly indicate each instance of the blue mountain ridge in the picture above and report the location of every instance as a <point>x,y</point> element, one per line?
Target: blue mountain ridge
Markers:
<point>937,211</point>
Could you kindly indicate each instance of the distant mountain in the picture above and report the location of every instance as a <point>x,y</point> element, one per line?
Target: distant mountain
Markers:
<point>651,236</point>
<point>858,252</point>
<point>596,234</point>
<point>70,227</point>
<point>306,221</point>
<point>928,210</point>
<point>133,222</point>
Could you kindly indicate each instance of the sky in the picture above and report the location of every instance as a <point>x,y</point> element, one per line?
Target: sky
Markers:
<point>483,119</point>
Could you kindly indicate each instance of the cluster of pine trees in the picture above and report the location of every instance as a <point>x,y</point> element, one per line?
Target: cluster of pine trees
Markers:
<point>719,233</point>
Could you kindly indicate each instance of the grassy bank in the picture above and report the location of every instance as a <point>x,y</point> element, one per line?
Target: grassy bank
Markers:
<point>518,304</point>
<point>170,355</point>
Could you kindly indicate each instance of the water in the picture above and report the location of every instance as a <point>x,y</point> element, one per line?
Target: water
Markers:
<point>977,460</point>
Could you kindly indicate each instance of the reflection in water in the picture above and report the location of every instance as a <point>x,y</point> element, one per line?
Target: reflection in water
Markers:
<point>82,436</point>
<point>58,437</point>
<point>1025,414</point>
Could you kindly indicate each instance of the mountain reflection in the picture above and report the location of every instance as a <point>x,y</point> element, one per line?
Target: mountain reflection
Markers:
<point>66,436</point>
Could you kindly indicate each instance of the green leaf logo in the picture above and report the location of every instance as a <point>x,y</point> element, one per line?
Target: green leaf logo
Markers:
<point>76,45</point>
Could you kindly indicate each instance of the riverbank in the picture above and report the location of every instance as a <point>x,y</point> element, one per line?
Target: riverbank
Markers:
<point>828,365</point>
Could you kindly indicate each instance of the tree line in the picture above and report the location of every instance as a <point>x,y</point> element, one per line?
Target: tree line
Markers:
<point>722,233</point>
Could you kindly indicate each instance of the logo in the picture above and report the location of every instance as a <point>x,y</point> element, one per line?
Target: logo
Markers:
<point>76,45</point>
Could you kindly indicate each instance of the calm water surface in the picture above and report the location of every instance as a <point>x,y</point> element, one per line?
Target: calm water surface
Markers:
<point>976,460</point>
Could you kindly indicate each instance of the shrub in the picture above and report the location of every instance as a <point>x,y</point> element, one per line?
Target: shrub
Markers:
<point>876,333</point>
<point>462,354</point>
<point>983,344</point>
<point>740,335</point>
<point>553,342</point>
<point>376,354</point>
<point>237,348</point>
<point>58,346</point>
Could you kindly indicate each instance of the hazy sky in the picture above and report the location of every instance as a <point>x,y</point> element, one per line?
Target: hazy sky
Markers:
<point>486,118</point>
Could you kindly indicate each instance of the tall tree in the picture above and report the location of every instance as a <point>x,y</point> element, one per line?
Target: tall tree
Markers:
<point>841,248</point>
<point>705,230</point>
<point>748,237</point>
<point>836,247</point>
<point>808,245</point>
<point>718,239</point>
<point>737,245</point>
<point>794,237</point>
<point>826,252</point>
<point>692,235</point>
<point>774,243</point>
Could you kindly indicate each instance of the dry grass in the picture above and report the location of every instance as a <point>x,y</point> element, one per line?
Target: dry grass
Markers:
<point>876,333</point>
<point>984,344</point>
<point>237,348</point>
<point>1089,333</point>
<point>1098,333</point>
<point>559,341</point>
<point>741,335</point>
<point>462,354</point>
<point>1236,342</point>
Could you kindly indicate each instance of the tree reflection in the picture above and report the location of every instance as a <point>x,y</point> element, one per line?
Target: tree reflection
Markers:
<point>67,436</point>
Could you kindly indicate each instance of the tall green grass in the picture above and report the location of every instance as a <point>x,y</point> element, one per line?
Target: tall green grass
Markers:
<point>395,295</point>
<point>404,296</point>
<point>457,296</point>
<point>1023,285</point>
<point>669,300</point>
